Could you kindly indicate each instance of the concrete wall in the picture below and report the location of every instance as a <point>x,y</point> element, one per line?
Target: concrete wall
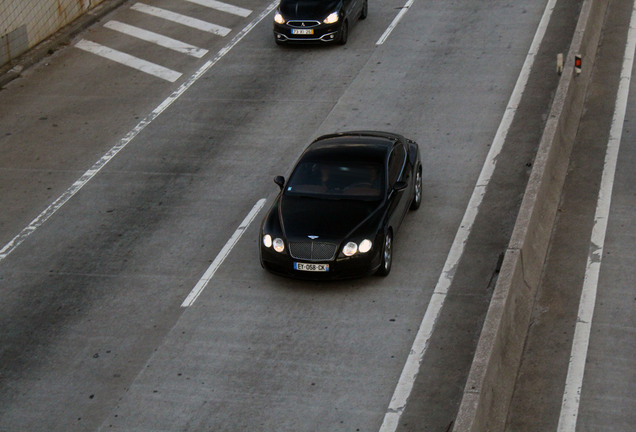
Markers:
<point>25,23</point>
<point>492,377</point>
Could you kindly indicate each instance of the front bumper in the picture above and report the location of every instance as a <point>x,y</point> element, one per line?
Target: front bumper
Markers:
<point>342,267</point>
<point>319,33</point>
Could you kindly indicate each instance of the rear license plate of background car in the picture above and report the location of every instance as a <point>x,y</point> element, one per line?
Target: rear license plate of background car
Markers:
<point>311,267</point>
<point>302,31</point>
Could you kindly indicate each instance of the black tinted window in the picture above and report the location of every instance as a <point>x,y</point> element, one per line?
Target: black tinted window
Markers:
<point>342,180</point>
<point>396,163</point>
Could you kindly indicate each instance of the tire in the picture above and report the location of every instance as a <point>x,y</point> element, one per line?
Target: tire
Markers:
<point>387,255</point>
<point>344,33</point>
<point>365,10</point>
<point>417,199</point>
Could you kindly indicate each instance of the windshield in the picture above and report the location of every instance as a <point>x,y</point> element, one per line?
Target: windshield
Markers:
<point>336,180</point>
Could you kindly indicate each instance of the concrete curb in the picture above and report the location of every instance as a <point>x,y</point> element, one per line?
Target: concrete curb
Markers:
<point>14,68</point>
<point>491,381</point>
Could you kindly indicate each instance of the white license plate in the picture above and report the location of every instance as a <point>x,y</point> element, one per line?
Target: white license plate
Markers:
<point>302,31</point>
<point>311,267</point>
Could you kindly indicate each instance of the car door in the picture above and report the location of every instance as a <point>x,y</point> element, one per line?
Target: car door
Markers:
<point>398,172</point>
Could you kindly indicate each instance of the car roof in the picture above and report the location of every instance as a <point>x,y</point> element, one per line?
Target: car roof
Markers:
<point>358,146</point>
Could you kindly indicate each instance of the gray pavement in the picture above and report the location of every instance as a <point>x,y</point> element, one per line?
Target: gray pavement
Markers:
<point>93,333</point>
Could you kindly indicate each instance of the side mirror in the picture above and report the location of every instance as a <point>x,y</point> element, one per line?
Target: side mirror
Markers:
<point>400,186</point>
<point>280,181</point>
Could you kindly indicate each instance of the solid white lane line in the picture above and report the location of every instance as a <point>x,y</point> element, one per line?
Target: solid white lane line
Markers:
<point>578,356</point>
<point>181,19</point>
<point>394,23</point>
<point>156,38</point>
<point>128,60</point>
<point>223,7</point>
<point>103,161</point>
<point>416,355</point>
<point>209,273</point>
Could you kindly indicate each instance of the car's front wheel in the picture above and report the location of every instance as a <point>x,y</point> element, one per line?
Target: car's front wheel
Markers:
<point>417,196</point>
<point>365,10</point>
<point>344,33</point>
<point>387,255</point>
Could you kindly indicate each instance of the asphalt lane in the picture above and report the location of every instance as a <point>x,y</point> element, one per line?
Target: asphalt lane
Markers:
<point>90,307</point>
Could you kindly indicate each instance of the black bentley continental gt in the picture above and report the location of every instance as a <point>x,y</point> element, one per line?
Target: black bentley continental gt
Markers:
<point>337,214</point>
<point>317,20</point>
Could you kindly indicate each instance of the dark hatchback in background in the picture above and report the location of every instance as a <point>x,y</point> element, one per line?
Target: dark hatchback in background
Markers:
<point>337,214</point>
<point>317,20</point>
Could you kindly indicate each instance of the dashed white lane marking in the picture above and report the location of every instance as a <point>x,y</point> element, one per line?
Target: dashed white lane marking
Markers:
<point>578,356</point>
<point>395,22</point>
<point>48,212</point>
<point>156,38</point>
<point>425,332</point>
<point>223,7</point>
<point>181,19</point>
<point>209,273</point>
<point>128,60</point>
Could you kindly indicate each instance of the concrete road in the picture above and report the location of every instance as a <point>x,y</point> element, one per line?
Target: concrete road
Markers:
<point>588,285</point>
<point>120,188</point>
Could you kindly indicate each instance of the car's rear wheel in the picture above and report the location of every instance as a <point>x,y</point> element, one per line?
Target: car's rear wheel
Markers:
<point>417,198</point>
<point>387,255</point>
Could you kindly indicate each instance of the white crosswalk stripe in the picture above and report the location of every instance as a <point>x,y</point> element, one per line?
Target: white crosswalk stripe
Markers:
<point>223,7</point>
<point>179,46</point>
<point>128,60</point>
<point>181,19</point>
<point>156,38</point>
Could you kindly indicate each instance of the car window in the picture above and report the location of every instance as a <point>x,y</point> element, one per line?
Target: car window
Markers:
<point>396,163</point>
<point>336,179</point>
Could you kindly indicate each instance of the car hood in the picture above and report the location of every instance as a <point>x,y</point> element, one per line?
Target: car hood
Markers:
<point>308,9</point>
<point>329,219</point>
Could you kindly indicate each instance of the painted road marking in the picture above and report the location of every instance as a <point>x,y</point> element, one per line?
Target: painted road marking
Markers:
<point>209,273</point>
<point>420,345</point>
<point>578,356</point>
<point>103,161</point>
<point>156,38</point>
<point>181,19</point>
<point>395,22</point>
<point>223,7</point>
<point>128,60</point>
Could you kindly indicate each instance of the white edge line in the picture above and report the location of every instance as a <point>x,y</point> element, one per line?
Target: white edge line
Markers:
<point>88,175</point>
<point>578,357</point>
<point>225,251</point>
<point>394,23</point>
<point>416,355</point>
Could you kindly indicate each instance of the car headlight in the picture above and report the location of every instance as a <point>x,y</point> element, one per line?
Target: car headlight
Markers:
<point>278,18</point>
<point>352,248</point>
<point>267,241</point>
<point>332,18</point>
<point>365,246</point>
<point>279,245</point>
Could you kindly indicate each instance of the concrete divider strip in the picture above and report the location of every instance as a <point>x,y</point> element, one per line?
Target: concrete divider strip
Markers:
<point>491,380</point>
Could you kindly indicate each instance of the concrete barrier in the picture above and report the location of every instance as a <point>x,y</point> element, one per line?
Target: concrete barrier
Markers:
<point>491,381</point>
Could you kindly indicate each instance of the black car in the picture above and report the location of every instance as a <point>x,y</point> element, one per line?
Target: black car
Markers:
<point>317,20</point>
<point>337,214</point>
